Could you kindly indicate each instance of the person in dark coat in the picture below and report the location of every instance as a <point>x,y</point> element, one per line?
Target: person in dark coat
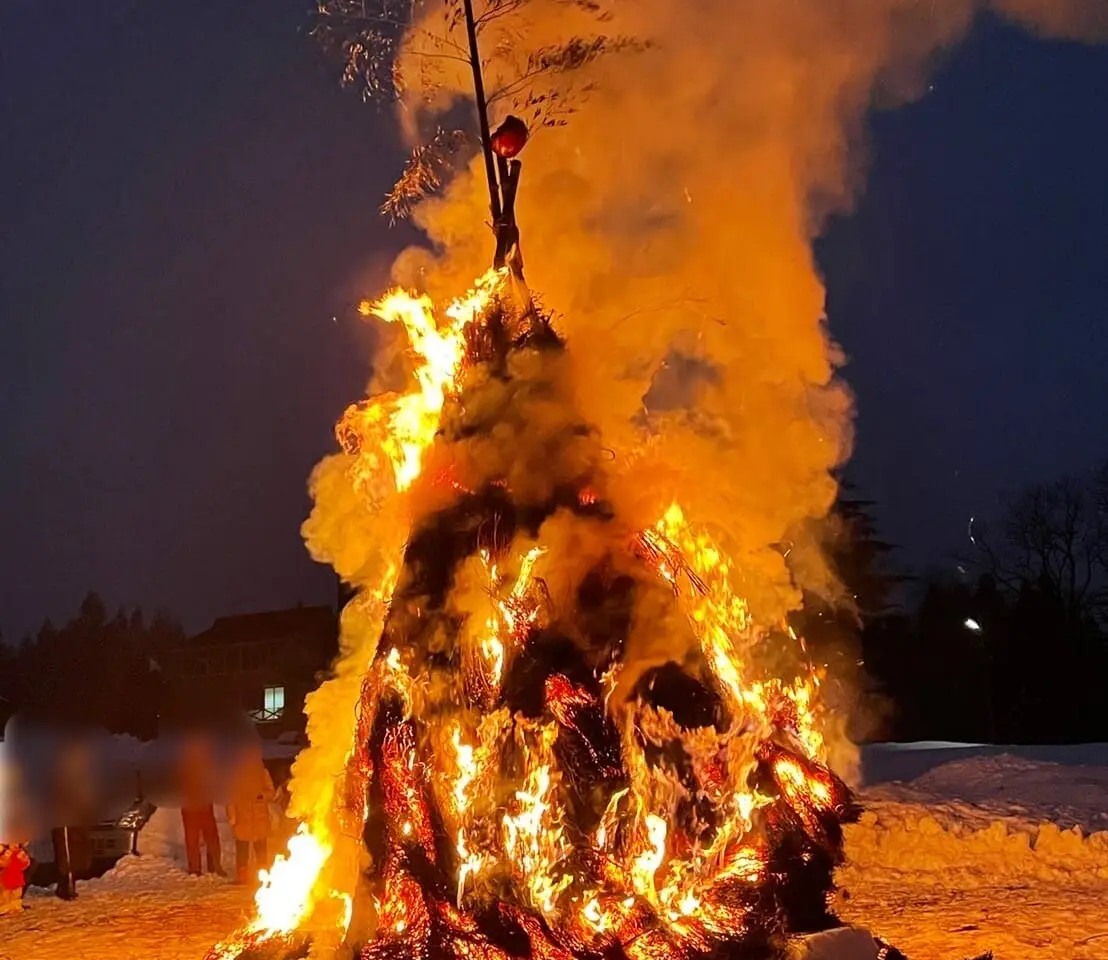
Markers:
<point>196,775</point>
<point>74,803</point>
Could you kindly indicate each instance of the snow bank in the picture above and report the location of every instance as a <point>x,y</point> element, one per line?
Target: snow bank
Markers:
<point>163,838</point>
<point>845,943</point>
<point>905,838</point>
<point>989,818</point>
<point>883,762</point>
<point>137,873</point>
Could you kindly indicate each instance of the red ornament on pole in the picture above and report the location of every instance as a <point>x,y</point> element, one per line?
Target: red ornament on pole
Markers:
<point>509,138</point>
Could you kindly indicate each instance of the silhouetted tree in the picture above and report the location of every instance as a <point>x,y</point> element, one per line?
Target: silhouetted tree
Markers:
<point>862,558</point>
<point>839,629</point>
<point>94,671</point>
<point>1044,629</point>
<point>1054,536</point>
<point>93,614</point>
<point>8,679</point>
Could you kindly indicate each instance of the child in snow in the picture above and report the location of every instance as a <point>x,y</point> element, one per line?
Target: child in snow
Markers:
<point>248,812</point>
<point>14,862</point>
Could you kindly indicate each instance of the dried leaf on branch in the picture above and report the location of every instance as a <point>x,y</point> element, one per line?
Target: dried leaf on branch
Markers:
<point>425,171</point>
<point>390,49</point>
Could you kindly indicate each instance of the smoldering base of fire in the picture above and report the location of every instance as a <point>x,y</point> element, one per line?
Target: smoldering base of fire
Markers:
<point>526,776</point>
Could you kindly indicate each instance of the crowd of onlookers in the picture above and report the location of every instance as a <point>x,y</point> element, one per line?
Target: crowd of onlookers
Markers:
<point>63,798</point>
<point>251,802</point>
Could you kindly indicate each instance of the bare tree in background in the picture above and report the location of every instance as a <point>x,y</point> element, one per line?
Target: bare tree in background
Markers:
<point>437,36</point>
<point>1054,536</point>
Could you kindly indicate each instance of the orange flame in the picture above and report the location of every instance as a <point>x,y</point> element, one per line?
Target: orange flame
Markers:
<point>387,438</point>
<point>653,880</point>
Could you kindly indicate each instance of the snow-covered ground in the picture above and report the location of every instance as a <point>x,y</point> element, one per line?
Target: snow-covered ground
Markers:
<point>990,851</point>
<point>963,849</point>
<point>145,907</point>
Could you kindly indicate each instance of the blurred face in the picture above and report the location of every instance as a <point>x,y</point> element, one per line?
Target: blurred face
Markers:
<point>12,803</point>
<point>73,756</point>
<point>195,748</point>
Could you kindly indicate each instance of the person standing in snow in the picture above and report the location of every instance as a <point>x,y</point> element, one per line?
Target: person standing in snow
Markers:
<point>15,833</point>
<point>74,802</point>
<point>196,775</point>
<point>249,811</point>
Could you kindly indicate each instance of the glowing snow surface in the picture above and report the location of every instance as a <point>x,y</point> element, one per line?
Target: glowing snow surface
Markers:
<point>991,852</point>
<point>975,854</point>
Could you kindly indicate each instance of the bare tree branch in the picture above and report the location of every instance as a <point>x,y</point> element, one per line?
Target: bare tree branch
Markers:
<point>575,54</point>
<point>370,37</point>
<point>424,172</point>
<point>1055,536</point>
<point>497,9</point>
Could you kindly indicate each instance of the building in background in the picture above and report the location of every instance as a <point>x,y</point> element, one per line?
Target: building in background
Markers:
<point>259,666</point>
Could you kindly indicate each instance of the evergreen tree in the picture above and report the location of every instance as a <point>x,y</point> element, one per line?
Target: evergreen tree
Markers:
<point>838,628</point>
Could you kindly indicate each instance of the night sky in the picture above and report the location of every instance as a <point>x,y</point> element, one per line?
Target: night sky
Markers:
<point>970,288</point>
<point>188,200</point>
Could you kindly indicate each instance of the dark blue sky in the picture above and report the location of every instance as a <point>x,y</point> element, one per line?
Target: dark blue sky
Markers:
<point>187,200</point>
<point>970,287</point>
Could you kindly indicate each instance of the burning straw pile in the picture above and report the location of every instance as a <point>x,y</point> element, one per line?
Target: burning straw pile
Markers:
<point>515,781</point>
<point>556,730</point>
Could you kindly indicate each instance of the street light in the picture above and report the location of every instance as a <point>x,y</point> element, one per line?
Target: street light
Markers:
<point>974,626</point>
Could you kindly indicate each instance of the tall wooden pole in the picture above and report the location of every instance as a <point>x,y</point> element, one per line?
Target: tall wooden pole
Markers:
<point>482,113</point>
<point>502,192</point>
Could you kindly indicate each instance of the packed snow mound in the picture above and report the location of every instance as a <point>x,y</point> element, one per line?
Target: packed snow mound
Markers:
<point>1067,795</point>
<point>886,762</point>
<point>163,837</point>
<point>137,873</point>
<point>845,943</point>
<point>916,839</point>
<point>988,817</point>
<point>139,876</point>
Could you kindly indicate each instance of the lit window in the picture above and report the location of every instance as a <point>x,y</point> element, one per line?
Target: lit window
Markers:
<point>275,700</point>
<point>273,705</point>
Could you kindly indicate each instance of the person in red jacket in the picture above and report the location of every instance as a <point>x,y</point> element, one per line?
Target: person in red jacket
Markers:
<point>14,862</point>
<point>197,789</point>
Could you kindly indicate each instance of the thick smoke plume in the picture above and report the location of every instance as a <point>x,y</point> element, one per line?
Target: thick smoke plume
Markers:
<point>674,214</point>
<point>669,228</point>
<point>1085,20</point>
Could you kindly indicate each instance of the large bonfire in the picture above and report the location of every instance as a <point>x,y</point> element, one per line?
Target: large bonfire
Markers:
<point>556,730</point>
<point>512,786</point>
